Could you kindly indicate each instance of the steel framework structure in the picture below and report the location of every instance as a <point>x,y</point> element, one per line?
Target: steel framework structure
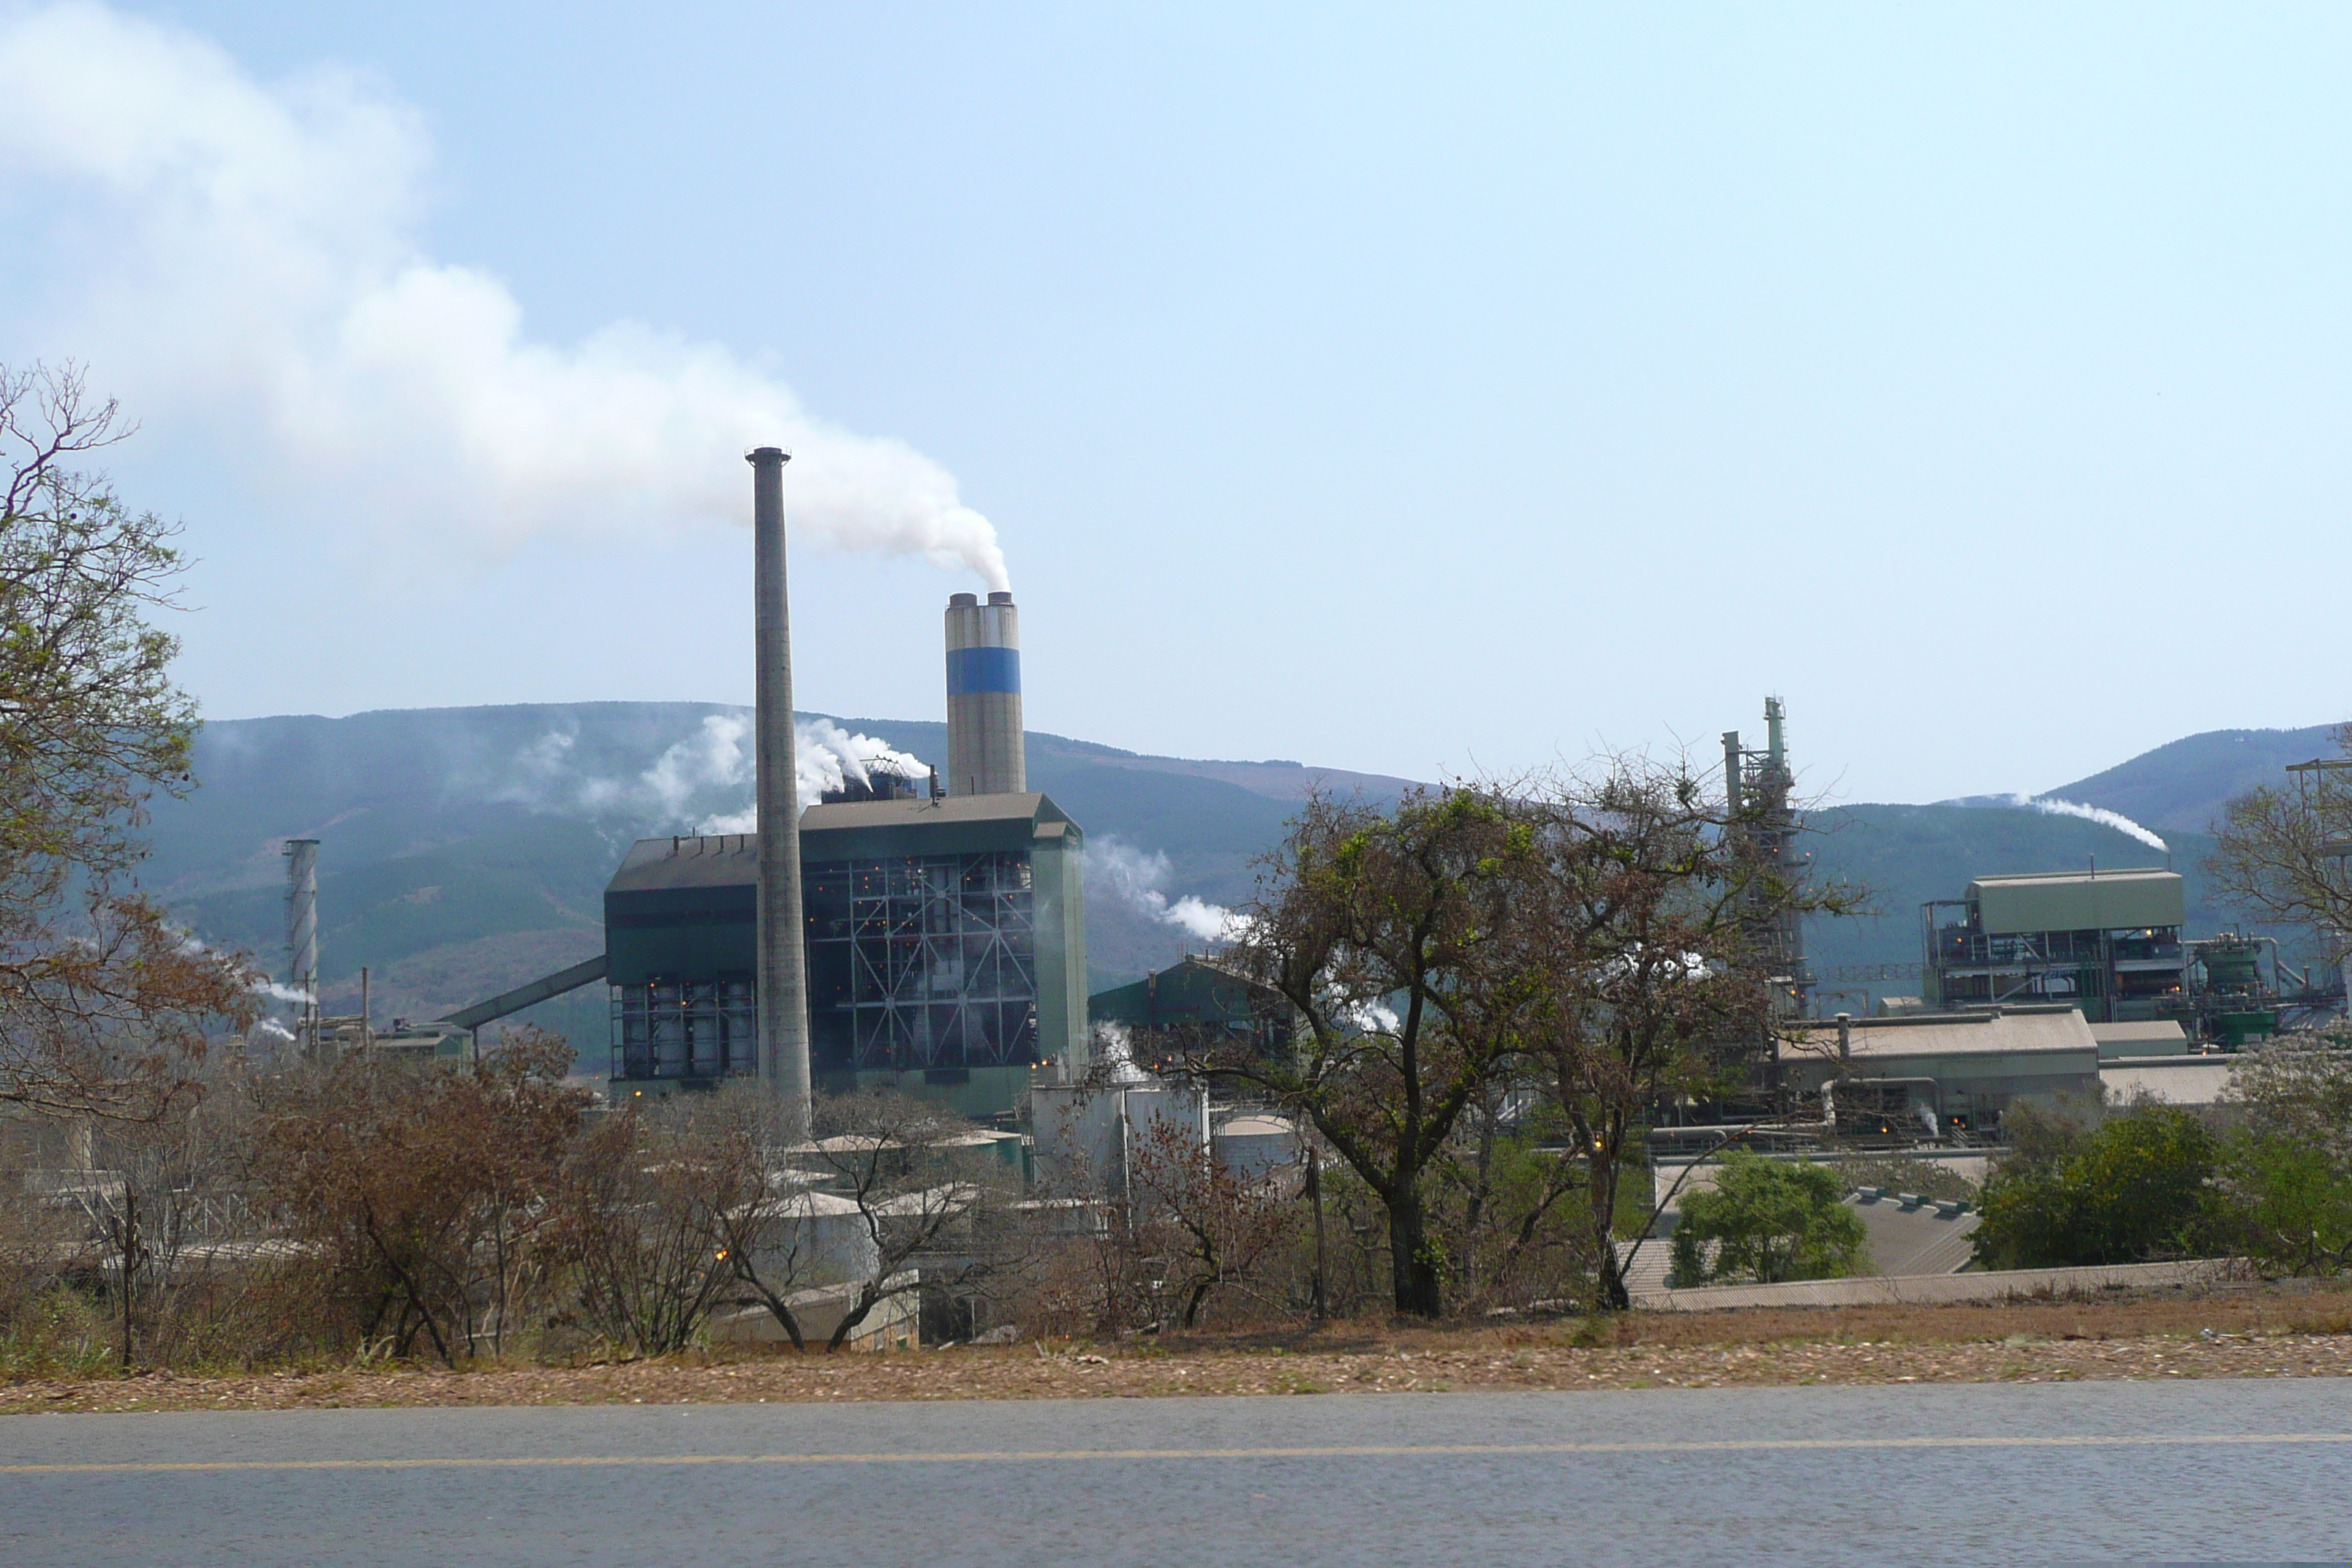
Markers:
<point>667,1029</point>
<point>925,962</point>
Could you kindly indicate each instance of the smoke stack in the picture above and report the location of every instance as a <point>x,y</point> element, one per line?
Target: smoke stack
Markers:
<point>783,961</point>
<point>302,915</point>
<point>985,753</point>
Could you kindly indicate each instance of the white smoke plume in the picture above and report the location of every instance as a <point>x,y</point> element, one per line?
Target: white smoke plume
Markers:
<point>2098,814</point>
<point>250,252</point>
<point>829,757</point>
<point>705,779</point>
<point>1139,881</point>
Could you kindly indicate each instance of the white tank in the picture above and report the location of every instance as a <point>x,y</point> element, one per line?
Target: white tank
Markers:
<point>985,753</point>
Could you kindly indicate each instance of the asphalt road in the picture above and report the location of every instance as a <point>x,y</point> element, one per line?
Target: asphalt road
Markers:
<point>2107,1471</point>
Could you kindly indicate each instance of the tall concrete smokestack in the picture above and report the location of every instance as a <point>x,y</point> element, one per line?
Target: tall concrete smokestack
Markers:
<point>986,754</point>
<point>302,916</point>
<point>783,967</point>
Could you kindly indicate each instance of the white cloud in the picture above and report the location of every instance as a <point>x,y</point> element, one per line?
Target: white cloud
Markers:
<point>247,253</point>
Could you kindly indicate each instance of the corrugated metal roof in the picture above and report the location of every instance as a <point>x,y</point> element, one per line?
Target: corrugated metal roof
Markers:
<point>1958,1035</point>
<point>2180,1080</point>
<point>688,861</point>
<point>850,815</point>
<point>2151,1038</point>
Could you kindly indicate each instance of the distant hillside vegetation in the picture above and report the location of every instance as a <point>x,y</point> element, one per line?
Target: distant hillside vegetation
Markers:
<point>2182,786</point>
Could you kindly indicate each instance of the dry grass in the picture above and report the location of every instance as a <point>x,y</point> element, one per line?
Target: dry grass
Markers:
<point>2227,1331</point>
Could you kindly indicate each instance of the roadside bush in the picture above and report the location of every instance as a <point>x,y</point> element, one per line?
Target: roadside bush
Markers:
<point>63,1333</point>
<point>2138,1189</point>
<point>420,1199</point>
<point>2288,1168</point>
<point>2291,1203</point>
<point>1768,1220</point>
<point>1510,1210</point>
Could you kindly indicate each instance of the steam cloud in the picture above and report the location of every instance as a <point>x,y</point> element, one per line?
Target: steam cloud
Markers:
<point>2098,814</point>
<point>249,252</point>
<point>718,759</point>
<point>1138,881</point>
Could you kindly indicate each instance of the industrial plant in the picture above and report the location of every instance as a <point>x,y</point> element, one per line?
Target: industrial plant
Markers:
<point>928,935</point>
<point>924,935</point>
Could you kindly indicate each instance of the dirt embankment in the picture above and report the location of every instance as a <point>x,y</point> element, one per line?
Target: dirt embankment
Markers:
<point>2224,1332</point>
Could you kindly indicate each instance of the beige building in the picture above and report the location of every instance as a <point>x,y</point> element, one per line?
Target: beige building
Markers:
<point>1944,1072</point>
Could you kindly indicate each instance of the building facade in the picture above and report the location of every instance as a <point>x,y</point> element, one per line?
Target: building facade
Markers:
<point>2107,942</point>
<point>946,945</point>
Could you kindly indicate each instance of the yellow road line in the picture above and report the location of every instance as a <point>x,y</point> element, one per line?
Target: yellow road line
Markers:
<point>1346,1451</point>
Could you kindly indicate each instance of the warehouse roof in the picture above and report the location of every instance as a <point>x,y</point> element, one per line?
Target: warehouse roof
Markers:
<point>2174,1080</point>
<point>732,860</point>
<point>850,815</point>
<point>2149,1038</point>
<point>1996,1033</point>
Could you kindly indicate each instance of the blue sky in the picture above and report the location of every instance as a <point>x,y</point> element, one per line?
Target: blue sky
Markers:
<point>1398,390</point>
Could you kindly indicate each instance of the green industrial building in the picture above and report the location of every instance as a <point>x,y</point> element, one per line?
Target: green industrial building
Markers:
<point>2107,942</point>
<point>1198,1001</point>
<point>945,942</point>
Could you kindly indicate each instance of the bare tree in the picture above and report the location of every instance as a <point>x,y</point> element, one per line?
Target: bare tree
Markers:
<point>1641,941</point>
<point>104,1007</point>
<point>1195,1231</point>
<point>644,1200</point>
<point>770,1233</point>
<point>164,1202</point>
<point>425,1193</point>
<point>2284,851</point>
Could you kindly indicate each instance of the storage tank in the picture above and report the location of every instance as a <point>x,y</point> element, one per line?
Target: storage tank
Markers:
<point>1254,1146</point>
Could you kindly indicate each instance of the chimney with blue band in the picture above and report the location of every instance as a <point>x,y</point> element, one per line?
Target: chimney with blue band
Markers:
<point>986,754</point>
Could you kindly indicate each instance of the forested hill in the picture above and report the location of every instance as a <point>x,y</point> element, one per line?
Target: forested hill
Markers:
<point>2182,786</point>
<point>466,850</point>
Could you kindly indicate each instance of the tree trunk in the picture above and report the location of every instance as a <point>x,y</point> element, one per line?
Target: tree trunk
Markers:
<point>1413,1273</point>
<point>870,1296</point>
<point>130,1268</point>
<point>1609,1290</point>
<point>1315,1196</point>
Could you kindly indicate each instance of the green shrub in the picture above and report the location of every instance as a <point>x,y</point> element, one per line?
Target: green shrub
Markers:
<point>2137,1189</point>
<point>2291,1203</point>
<point>64,1334</point>
<point>1770,1220</point>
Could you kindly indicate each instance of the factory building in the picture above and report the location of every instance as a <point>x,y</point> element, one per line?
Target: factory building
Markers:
<point>1196,1003</point>
<point>944,935</point>
<point>1943,1075</point>
<point>2107,942</point>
